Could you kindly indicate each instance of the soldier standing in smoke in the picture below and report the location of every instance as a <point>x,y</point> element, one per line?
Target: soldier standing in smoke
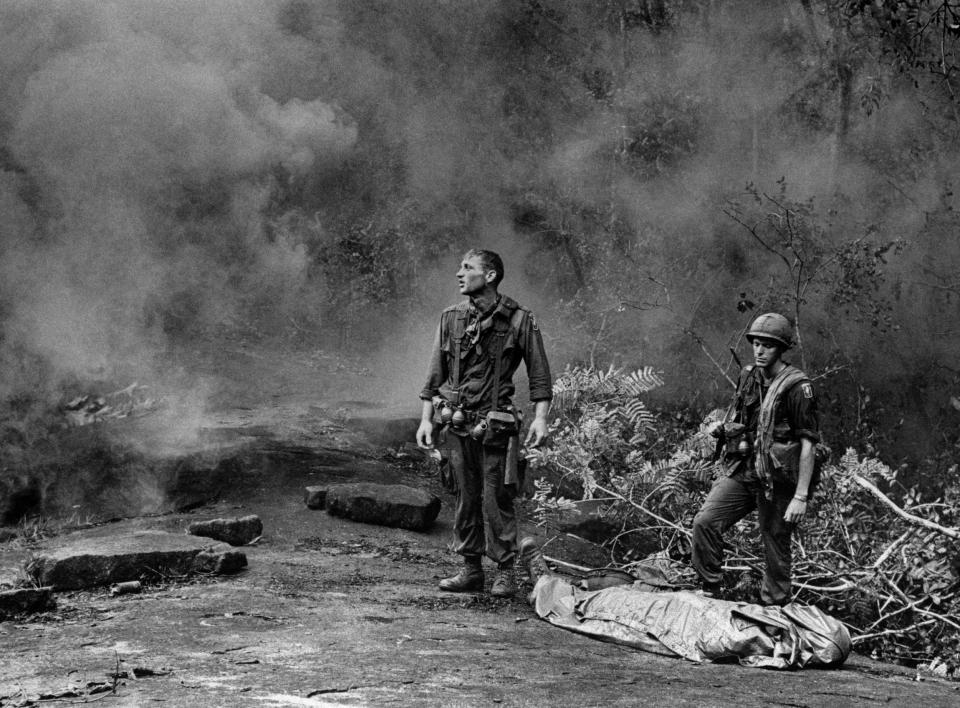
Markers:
<point>769,461</point>
<point>469,390</point>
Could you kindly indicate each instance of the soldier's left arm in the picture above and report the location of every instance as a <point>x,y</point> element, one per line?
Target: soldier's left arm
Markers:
<point>798,505</point>
<point>802,403</point>
<point>541,383</point>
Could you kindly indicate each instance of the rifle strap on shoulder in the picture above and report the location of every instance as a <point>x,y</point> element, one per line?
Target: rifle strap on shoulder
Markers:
<point>459,329</point>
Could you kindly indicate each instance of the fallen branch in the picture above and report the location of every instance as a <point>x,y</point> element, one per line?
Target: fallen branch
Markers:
<point>666,522</point>
<point>888,632</point>
<point>906,516</point>
<point>885,618</point>
<point>843,587</point>
<point>882,558</point>
<point>557,561</point>
<point>937,617</point>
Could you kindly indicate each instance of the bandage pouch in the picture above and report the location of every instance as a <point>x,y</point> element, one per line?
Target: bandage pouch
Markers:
<point>784,463</point>
<point>501,426</point>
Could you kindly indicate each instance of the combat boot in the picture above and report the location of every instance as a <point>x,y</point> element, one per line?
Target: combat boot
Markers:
<point>531,558</point>
<point>503,583</point>
<point>469,579</point>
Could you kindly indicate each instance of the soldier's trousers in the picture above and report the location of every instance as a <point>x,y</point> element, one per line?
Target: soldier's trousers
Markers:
<point>485,521</point>
<point>730,499</point>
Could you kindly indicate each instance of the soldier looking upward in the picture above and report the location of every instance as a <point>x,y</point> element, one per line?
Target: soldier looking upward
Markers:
<point>768,462</point>
<point>479,345</point>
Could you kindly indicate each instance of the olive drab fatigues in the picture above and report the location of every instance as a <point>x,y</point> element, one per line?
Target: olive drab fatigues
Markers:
<point>485,521</point>
<point>742,487</point>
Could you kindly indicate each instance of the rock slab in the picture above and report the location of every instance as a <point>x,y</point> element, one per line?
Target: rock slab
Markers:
<point>152,555</point>
<point>24,601</point>
<point>237,531</point>
<point>315,497</point>
<point>385,504</point>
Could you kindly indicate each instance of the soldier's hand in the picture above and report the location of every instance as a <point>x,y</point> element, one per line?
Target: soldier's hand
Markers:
<point>796,510</point>
<point>537,433</point>
<point>425,435</point>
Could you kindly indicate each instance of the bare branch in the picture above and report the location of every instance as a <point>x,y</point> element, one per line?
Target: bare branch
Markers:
<point>888,632</point>
<point>752,230</point>
<point>910,518</point>
<point>699,341</point>
<point>882,558</point>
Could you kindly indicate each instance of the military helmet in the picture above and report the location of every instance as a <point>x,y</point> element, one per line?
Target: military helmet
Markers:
<point>772,326</point>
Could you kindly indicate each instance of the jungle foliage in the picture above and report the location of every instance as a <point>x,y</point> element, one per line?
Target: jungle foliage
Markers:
<point>889,569</point>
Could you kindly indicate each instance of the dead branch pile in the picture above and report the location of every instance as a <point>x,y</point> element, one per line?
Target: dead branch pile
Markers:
<point>890,571</point>
<point>871,552</point>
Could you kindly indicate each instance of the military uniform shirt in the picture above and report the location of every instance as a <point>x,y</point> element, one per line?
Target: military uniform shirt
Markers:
<point>795,417</point>
<point>796,414</point>
<point>478,353</point>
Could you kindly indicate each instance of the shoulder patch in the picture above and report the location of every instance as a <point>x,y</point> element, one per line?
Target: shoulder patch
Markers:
<point>807,389</point>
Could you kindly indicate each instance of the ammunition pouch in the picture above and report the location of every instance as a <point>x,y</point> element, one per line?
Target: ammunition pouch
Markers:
<point>736,442</point>
<point>785,463</point>
<point>501,426</point>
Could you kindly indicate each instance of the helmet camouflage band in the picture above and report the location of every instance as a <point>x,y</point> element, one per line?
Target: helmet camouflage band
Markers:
<point>772,326</point>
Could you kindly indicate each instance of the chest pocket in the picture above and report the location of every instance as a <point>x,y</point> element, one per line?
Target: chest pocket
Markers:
<point>750,409</point>
<point>453,331</point>
<point>508,340</point>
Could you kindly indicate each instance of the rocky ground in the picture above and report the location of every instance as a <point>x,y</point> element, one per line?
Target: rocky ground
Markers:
<point>333,612</point>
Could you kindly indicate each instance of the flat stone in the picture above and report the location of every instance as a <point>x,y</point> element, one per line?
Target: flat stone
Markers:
<point>315,497</point>
<point>384,504</point>
<point>24,601</point>
<point>238,531</point>
<point>219,562</point>
<point>105,560</point>
<point>100,481</point>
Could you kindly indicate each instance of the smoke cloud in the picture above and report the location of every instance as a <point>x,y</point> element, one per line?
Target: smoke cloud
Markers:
<point>141,143</point>
<point>170,164</point>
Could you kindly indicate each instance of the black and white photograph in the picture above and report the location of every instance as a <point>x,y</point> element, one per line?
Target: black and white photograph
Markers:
<point>479,352</point>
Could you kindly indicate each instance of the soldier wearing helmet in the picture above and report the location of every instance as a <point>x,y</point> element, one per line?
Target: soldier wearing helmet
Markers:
<point>768,461</point>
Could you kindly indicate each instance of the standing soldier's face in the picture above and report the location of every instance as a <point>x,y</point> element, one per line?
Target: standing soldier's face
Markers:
<point>766,352</point>
<point>472,278</point>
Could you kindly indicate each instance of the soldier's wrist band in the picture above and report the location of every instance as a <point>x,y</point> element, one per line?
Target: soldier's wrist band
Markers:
<point>799,498</point>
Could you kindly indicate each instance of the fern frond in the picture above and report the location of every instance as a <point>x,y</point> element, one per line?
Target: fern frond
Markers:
<point>652,472</point>
<point>637,414</point>
<point>606,382</point>
<point>850,460</point>
<point>677,482</point>
<point>868,467</point>
<point>640,381</point>
<point>565,399</point>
